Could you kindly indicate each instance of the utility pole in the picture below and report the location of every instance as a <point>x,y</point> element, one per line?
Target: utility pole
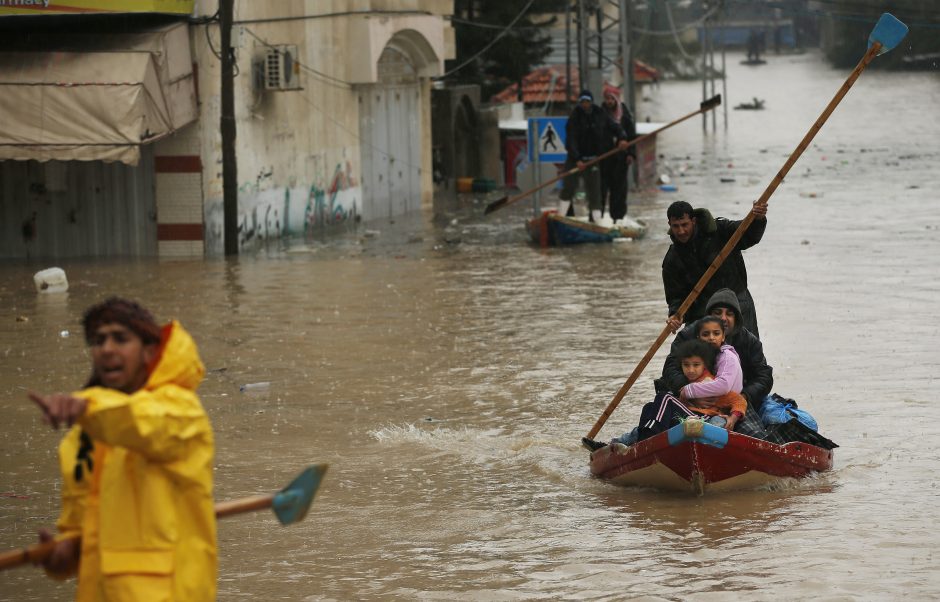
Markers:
<point>227,129</point>
<point>568,56</point>
<point>589,46</point>
<point>626,57</point>
<point>612,53</point>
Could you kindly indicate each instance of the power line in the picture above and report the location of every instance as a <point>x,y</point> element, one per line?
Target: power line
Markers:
<point>490,45</point>
<point>307,68</point>
<point>348,13</point>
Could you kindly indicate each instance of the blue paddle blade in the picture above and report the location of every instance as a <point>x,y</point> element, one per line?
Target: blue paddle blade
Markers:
<point>888,31</point>
<point>292,503</point>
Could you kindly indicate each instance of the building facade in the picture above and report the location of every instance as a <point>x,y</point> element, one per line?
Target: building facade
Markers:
<point>119,152</point>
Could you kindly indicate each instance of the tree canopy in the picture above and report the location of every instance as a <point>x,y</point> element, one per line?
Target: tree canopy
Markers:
<point>515,54</point>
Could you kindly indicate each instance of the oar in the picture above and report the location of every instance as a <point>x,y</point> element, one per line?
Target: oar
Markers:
<point>707,105</point>
<point>888,32</point>
<point>290,505</point>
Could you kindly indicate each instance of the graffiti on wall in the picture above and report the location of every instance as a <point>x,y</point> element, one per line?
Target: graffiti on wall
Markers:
<point>267,212</point>
<point>325,207</point>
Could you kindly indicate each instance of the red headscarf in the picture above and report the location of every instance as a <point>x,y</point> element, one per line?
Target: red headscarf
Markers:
<point>613,93</point>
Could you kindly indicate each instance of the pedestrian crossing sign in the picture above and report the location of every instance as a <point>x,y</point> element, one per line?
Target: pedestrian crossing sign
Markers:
<point>547,139</point>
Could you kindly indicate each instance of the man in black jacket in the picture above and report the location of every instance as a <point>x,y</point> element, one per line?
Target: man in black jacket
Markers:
<point>758,376</point>
<point>587,134</point>
<point>697,239</point>
<point>614,169</point>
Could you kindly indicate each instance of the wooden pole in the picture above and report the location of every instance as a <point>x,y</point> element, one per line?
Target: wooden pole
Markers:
<point>709,104</point>
<point>38,552</point>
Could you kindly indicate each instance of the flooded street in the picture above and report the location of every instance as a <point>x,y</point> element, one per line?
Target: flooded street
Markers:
<point>447,372</point>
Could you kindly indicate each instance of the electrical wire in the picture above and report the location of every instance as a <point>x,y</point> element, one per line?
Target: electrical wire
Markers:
<point>356,135</point>
<point>310,103</point>
<point>348,13</point>
<point>329,78</point>
<point>675,34</point>
<point>492,42</point>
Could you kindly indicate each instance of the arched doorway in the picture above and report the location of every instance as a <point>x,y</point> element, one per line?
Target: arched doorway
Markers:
<point>390,128</point>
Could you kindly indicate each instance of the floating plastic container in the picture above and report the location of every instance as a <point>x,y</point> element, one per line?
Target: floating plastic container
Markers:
<point>255,387</point>
<point>483,184</point>
<point>51,280</point>
<point>464,184</point>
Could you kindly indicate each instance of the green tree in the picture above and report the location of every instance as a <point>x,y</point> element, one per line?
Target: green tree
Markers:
<point>514,55</point>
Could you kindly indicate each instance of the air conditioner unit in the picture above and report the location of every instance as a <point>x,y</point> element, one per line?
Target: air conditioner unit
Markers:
<point>281,69</point>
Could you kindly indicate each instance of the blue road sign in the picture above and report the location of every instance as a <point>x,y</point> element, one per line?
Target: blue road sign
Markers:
<point>547,135</point>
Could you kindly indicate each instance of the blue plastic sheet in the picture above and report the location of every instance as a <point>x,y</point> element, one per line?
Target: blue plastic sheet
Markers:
<point>777,410</point>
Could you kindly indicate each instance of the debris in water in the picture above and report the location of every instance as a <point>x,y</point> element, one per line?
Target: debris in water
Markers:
<point>262,386</point>
<point>15,496</point>
<point>51,280</point>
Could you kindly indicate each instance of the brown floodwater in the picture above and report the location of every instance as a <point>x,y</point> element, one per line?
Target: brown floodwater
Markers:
<point>447,370</point>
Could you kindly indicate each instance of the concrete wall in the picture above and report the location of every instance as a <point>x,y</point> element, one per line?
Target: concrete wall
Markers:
<point>178,194</point>
<point>299,152</point>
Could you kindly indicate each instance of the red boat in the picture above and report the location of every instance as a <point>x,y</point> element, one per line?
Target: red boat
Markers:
<point>698,457</point>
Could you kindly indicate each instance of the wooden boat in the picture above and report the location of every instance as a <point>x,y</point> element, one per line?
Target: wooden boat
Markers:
<point>552,229</point>
<point>698,457</point>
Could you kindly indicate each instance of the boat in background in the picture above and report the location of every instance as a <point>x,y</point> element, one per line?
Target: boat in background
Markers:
<point>552,229</point>
<point>697,457</point>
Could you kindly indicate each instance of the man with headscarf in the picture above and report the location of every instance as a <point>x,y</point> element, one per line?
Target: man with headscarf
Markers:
<point>614,169</point>
<point>587,136</point>
<point>137,519</point>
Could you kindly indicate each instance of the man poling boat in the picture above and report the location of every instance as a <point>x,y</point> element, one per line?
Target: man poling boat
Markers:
<point>505,201</point>
<point>614,462</point>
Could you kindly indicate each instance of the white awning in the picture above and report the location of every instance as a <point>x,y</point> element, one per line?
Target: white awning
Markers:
<point>87,106</point>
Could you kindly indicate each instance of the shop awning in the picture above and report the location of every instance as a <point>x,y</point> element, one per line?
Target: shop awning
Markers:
<point>92,105</point>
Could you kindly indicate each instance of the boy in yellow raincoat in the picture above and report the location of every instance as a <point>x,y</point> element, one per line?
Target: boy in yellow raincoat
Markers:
<point>136,465</point>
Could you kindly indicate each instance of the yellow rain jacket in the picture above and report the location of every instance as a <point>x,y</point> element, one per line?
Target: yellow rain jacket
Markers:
<point>144,509</point>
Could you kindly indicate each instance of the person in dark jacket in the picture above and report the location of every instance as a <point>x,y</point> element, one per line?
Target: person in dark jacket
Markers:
<point>660,414</point>
<point>614,169</point>
<point>587,134</point>
<point>758,376</point>
<point>697,239</point>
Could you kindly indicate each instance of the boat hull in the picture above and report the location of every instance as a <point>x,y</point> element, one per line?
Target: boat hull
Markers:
<point>698,457</point>
<point>552,229</point>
